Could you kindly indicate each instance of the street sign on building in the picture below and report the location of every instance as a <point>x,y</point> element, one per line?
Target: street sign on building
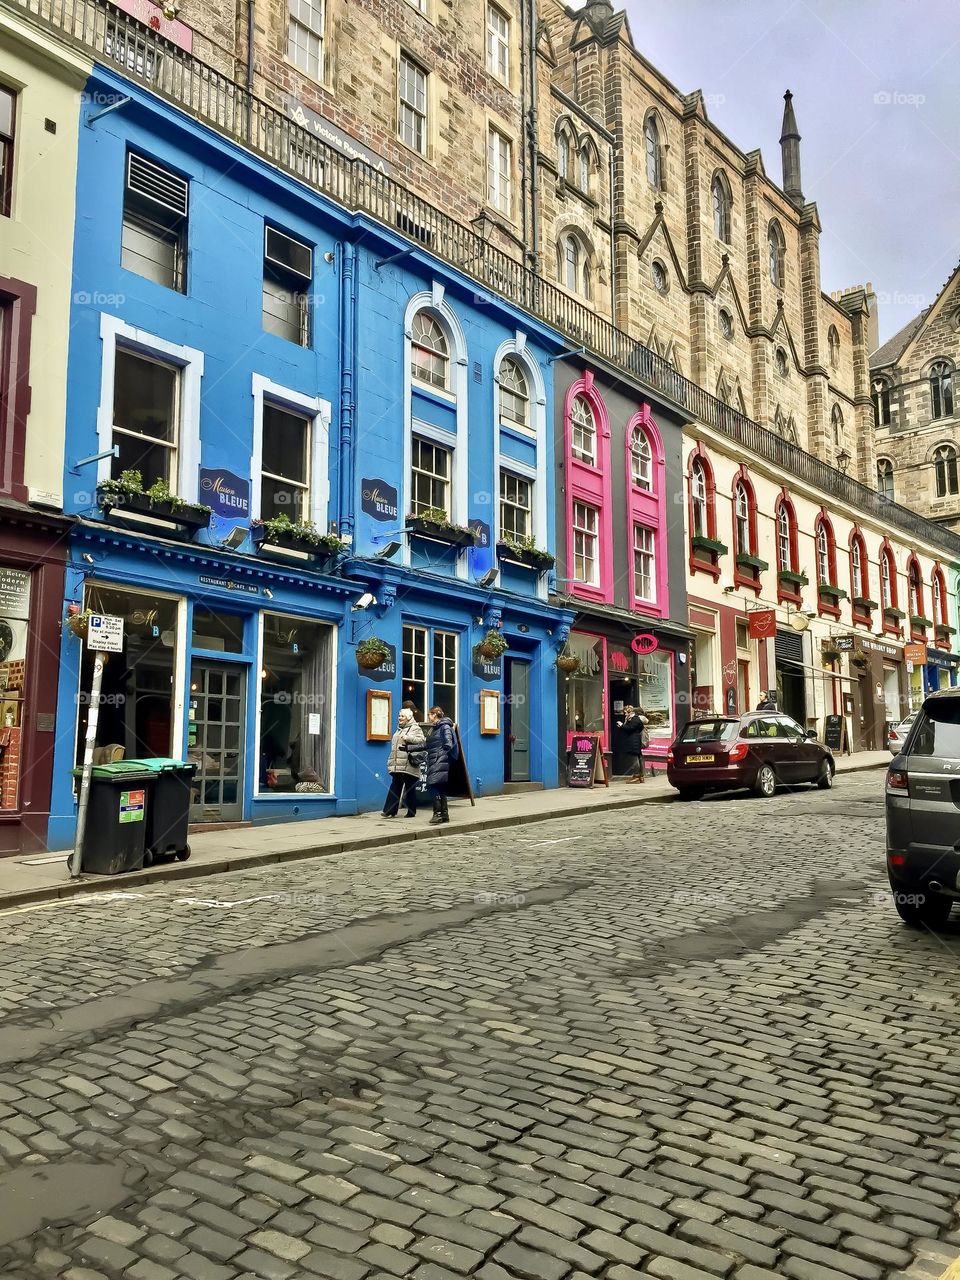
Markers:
<point>105,633</point>
<point>915,653</point>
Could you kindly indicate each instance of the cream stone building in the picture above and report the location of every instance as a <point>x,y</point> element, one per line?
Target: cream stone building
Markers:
<point>917,410</point>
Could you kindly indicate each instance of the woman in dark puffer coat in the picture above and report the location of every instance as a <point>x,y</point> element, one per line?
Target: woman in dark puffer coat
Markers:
<point>442,751</point>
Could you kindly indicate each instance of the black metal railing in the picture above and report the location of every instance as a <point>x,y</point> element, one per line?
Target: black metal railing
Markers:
<point>122,42</point>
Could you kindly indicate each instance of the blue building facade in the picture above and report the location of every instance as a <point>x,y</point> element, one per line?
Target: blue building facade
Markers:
<point>325,418</point>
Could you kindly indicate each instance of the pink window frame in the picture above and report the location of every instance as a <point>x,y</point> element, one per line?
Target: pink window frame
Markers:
<point>590,484</point>
<point>647,509</point>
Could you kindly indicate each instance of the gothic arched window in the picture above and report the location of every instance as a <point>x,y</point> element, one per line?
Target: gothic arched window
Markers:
<point>941,390</point>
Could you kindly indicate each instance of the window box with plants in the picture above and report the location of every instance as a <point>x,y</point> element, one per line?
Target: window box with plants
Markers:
<point>711,547</point>
<point>127,495</point>
<point>751,563</point>
<point>373,653</point>
<point>792,580</point>
<point>434,523</point>
<point>919,623</point>
<point>944,631</point>
<point>492,646</point>
<point>892,615</point>
<point>830,591</point>
<point>526,552</point>
<point>280,533</point>
<point>863,604</point>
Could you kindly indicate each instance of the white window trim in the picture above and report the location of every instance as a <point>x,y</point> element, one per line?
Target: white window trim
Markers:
<point>334,669</point>
<point>433,298</point>
<point>516,348</point>
<point>320,412</point>
<point>189,360</point>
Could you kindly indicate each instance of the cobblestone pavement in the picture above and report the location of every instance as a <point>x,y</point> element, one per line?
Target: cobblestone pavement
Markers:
<point>684,1041</point>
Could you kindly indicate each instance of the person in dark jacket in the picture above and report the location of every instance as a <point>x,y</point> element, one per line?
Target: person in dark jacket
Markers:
<point>633,734</point>
<point>442,751</point>
<point>767,702</point>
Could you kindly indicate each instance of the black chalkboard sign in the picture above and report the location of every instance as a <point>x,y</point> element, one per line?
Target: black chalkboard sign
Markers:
<point>833,733</point>
<point>585,762</point>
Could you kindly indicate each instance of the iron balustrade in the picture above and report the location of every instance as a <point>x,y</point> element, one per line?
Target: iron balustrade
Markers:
<point>354,184</point>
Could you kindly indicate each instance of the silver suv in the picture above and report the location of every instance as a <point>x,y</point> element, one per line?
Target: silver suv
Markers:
<point>923,814</point>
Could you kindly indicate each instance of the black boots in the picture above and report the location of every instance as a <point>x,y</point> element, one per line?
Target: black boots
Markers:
<point>440,813</point>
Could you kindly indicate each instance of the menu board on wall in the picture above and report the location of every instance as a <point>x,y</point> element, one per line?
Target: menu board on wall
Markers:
<point>14,593</point>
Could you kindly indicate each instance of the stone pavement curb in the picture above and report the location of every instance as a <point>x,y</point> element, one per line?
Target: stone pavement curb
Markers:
<point>11,899</point>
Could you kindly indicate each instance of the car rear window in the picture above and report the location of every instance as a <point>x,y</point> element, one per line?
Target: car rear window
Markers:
<point>937,731</point>
<point>710,731</point>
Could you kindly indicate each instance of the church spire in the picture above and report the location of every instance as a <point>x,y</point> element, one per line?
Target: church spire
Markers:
<point>790,152</point>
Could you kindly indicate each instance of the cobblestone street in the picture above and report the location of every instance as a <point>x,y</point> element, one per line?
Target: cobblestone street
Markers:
<point>681,1041</point>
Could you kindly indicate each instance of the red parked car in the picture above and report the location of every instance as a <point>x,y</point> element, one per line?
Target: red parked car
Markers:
<point>760,751</point>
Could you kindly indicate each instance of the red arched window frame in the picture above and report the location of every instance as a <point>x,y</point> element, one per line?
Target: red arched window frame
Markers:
<point>787,591</point>
<point>703,559</point>
<point>940,616</point>
<point>828,604</point>
<point>888,577</point>
<point>860,581</point>
<point>745,574</point>
<point>915,597</point>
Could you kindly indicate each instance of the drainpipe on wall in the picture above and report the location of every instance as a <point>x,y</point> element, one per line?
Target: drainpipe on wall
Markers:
<point>613,240</point>
<point>524,194</point>
<point>534,140</point>
<point>251,15</point>
<point>348,357</point>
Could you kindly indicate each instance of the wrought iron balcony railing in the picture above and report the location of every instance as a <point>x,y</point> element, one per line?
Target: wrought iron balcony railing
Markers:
<point>118,41</point>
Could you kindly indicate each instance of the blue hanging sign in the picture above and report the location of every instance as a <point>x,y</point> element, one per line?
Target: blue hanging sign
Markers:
<point>379,499</point>
<point>229,497</point>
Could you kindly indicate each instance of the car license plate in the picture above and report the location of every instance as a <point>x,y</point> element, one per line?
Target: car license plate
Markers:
<point>699,759</point>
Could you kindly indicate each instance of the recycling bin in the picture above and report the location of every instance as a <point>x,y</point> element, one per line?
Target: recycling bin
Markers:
<point>117,812</point>
<point>168,814</point>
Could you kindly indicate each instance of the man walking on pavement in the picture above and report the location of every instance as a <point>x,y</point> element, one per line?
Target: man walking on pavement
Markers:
<point>442,752</point>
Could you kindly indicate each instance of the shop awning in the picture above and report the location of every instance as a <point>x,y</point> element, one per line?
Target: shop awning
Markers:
<point>632,622</point>
<point>820,671</point>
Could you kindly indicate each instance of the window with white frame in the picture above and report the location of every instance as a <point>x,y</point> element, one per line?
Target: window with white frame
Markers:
<point>945,470</point>
<point>641,461</point>
<point>287,276</point>
<point>784,540</point>
<point>430,468</point>
<point>146,411</point>
<point>286,455</point>
<point>937,597</point>
<point>429,669</point>
<point>516,507</point>
<point>583,443</point>
<point>698,495</point>
<point>886,589</point>
<point>499,172</point>
<point>941,390</point>
<point>586,564</point>
<point>498,43</point>
<point>823,555</point>
<point>305,36</point>
<point>644,564</point>
<point>429,352</point>
<point>856,568</point>
<point>154,236</point>
<point>412,104</point>
<point>513,394</point>
<point>741,513</point>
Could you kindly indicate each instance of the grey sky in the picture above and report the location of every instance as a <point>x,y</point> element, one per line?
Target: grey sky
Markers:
<point>876,96</point>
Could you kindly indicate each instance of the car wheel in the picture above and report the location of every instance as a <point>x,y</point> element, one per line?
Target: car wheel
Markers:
<point>689,793</point>
<point>825,781</point>
<point>922,909</point>
<point>766,782</point>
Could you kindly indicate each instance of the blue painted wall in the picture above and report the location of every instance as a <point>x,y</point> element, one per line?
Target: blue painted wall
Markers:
<point>356,362</point>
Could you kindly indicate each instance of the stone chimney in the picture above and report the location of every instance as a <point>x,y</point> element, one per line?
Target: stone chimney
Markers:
<point>790,153</point>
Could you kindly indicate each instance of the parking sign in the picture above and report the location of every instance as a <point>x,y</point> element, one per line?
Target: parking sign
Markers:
<point>105,633</point>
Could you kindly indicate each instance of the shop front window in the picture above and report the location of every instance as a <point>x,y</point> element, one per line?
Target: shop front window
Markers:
<point>295,747</point>
<point>14,625</point>
<point>586,689</point>
<point>430,670</point>
<point>137,691</point>
<point>655,693</point>
<point>217,632</point>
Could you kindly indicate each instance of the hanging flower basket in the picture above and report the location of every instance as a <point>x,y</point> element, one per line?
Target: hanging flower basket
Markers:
<point>372,653</point>
<point>568,662</point>
<point>831,655</point>
<point>78,624</point>
<point>492,646</point>
<point>859,658</point>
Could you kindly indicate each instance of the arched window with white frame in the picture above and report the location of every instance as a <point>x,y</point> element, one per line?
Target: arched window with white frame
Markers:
<point>741,520</point>
<point>584,431</point>
<point>941,390</point>
<point>945,470</point>
<point>513,394</point>
<point>698,498</point>
<point>430,351</point>
<point>641,461</point>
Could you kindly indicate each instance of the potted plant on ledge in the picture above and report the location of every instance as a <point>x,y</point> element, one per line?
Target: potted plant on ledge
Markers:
<point>524,550</point>
<point>944,631</point>
<point>492,646</point>
<point>919,623</point>
<point>753,564</point>
<point>434,523</point>
<point>372,653</point>
<point>863,604</point>
<point>280,533</point>
<point>792,581</point>
<point>829,591</point>
<point>712,546</point>
<point>128,496</point>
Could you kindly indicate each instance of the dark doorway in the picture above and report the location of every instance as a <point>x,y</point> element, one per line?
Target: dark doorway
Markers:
<point>516,765</point>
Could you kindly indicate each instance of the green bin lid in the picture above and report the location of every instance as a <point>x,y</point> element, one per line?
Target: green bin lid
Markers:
<point>158,764</point>
<point>120,771</point>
